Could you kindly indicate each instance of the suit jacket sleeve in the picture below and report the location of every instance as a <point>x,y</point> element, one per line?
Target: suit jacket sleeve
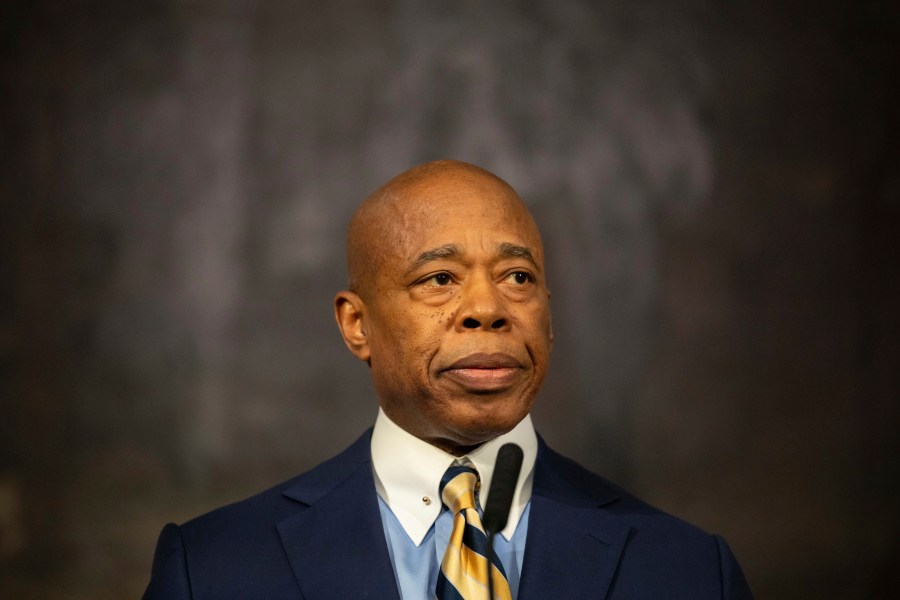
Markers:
<point>169,577</point>
<point>734,584</point>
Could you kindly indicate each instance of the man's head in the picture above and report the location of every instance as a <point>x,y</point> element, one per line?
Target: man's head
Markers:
<point>448,303</point>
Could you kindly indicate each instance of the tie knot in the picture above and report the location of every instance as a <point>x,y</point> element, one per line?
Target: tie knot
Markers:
<point>458,487</point>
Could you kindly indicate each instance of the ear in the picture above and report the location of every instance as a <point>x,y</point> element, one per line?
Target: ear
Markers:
<point>350,313</point>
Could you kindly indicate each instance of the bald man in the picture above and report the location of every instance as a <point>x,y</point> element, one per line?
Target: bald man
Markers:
<point>449,308</point>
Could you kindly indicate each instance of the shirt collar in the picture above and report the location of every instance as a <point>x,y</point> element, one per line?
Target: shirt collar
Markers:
<point>410,487</point>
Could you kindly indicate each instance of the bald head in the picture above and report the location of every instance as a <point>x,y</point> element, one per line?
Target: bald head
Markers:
<point>414,200</point>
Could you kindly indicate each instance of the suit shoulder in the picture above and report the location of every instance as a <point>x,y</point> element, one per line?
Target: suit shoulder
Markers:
<point>577,481</point>
<point>267,507</point>
<point>657,547</point>
<point>227,552</point>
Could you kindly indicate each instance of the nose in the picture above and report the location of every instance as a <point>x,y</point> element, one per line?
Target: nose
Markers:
<point>482,307</point>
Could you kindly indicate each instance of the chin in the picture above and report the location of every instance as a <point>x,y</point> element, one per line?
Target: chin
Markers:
<point>481,427</point>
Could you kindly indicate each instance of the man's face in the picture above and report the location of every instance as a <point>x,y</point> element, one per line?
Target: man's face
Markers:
<point>457,318</point>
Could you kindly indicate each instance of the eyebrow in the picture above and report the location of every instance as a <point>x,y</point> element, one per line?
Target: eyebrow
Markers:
<point>507,250</point>
<point>504,250</point>
<point>439,253</point>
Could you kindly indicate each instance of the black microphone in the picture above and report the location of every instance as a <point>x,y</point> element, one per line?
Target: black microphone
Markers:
<point>499,501</point>
<point>503,486</point>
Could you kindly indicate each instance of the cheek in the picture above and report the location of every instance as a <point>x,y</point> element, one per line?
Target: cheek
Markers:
<point>540,323</point>
<point>410,349</point>
<point>422,329</point>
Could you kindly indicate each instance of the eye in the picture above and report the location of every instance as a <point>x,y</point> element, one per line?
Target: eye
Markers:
<point>520,277</point>
<point>440,279</point>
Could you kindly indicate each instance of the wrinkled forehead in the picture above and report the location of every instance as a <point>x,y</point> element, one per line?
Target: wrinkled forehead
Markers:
<point>450,209</point>
<point>407,215</point>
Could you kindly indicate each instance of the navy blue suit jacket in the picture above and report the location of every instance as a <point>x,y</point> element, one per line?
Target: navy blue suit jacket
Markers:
<point>319,536</point>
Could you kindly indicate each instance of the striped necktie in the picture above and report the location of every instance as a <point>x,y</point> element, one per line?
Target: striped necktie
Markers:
<point>464,569</point>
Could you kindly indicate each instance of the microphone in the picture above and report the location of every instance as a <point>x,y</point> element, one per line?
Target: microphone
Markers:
<point>503,486</point>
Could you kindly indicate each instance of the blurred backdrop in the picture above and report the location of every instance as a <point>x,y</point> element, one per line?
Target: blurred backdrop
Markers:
<point>718,185</point>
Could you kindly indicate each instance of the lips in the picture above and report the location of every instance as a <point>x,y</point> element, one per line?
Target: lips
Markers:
<point>484,373</point>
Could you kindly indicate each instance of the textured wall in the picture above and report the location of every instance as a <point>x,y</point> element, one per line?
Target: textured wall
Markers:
<point>718,188</point>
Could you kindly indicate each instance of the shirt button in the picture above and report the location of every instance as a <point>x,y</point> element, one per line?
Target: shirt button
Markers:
<point>426,500</point>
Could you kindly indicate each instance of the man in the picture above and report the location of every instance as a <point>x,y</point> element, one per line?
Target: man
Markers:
<point>448,305</point>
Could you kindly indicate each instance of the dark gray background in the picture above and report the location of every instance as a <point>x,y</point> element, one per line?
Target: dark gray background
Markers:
<point>718,185</point>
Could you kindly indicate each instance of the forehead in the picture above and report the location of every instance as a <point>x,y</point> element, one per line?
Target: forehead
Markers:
<point>475,213</point>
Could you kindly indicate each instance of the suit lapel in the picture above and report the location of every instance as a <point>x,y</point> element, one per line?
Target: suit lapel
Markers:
<point>336,546</point>
<point>573,547</point>
<point>335,542</point>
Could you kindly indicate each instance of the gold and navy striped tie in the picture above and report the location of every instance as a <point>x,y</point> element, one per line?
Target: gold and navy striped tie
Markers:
<point>464,569</point>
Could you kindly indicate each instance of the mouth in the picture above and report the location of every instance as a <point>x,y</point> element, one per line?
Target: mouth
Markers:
<point>484,373</point>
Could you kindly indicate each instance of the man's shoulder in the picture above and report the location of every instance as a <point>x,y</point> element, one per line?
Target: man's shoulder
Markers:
<point>230,551</point>
<point>656,554</point>
<point>264,509</point>
<point>565,480</point>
